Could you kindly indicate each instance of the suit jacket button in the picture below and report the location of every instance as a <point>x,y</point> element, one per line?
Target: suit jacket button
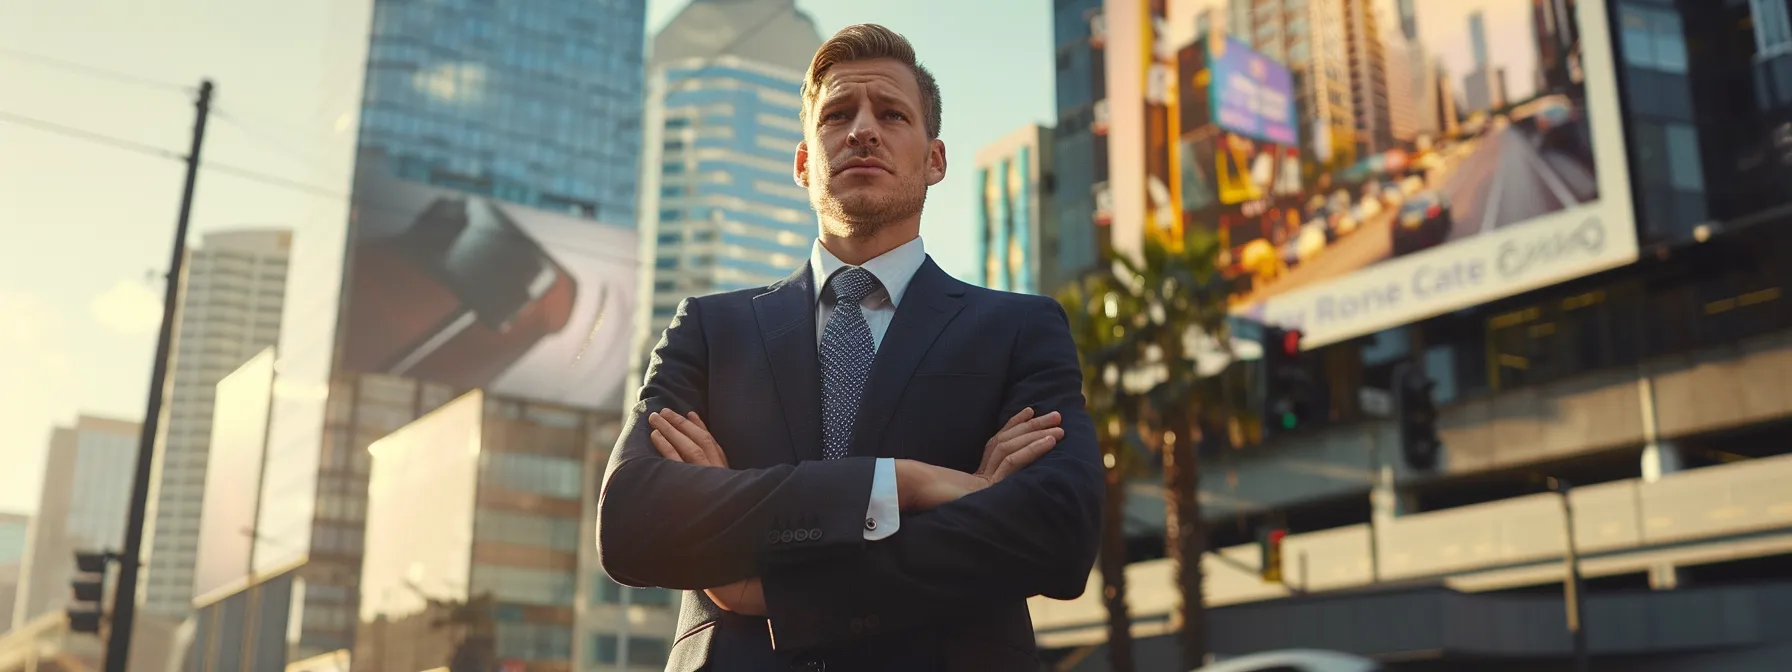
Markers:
<point>787,536</point>
<point>802,535</point>
<point>815,534</point>
<point>870,524</point>
<point>772,537</point>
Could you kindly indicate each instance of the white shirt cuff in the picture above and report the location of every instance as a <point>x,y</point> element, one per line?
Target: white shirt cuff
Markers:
<point>884,515</point>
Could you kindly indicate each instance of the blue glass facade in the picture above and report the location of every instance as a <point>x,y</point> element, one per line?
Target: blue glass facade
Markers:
<point>536,103</point>
<point>1074,160</point>
<point>730,215</point>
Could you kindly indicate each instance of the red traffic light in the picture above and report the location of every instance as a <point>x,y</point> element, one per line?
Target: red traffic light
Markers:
<point>1291,342</point>
<point>1276,536</point>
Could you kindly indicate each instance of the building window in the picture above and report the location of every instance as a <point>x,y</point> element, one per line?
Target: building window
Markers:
<point>522,472</point>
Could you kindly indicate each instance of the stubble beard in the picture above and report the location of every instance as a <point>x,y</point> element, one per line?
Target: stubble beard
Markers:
<point>860,215</point>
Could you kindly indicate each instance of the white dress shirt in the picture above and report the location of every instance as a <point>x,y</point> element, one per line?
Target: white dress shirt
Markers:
<point>893,270</point>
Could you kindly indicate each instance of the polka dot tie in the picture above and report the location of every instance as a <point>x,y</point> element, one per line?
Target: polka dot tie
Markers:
<point>846,354</point>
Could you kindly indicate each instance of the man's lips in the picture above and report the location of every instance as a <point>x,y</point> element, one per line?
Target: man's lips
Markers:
<point>863,166</point>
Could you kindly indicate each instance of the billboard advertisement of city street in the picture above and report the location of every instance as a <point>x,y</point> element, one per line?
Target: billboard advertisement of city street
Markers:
<point>1367,163</point>
<point>476,292</point>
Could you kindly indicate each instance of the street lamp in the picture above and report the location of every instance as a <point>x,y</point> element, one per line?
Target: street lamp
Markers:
<point>1573,592</point>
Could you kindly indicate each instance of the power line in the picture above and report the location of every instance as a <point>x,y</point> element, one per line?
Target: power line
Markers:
<point>70,131</point>
<point>265,139</point>
<point>364,202</point>
<point>91,71</point>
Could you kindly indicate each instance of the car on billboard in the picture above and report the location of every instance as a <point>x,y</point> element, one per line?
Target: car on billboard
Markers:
<point>1423,222</point>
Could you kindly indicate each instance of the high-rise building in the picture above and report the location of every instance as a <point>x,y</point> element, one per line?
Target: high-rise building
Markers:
<point>1448,122</point>
<point>1500,96</point>
<point>490,536</point>
<point>497,158</point>
<point>230,310</point>
<point>1313,41</point>
<point>1368,62</point>
<point>1017,233</point>
<point>1078,141</point>
<point>719,209</point>
<point>13,530</point>
<point>85,502</point>
<point>1478,86</point>
<point>1409,18</point>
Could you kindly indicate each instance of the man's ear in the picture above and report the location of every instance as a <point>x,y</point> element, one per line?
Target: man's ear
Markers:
<point>801,169</point>
<point>936,161</point>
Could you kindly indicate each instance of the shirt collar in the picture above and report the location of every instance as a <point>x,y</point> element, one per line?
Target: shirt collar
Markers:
<point>893,269</point>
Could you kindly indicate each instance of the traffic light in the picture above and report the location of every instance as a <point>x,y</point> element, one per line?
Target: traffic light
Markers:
<point>1290,398</point>
<point>89,586</point>
<point>1269,547</point>
<point>1417,417</point>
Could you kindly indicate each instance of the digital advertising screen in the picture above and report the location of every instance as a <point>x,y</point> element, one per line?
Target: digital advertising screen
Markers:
<point>1344,209</point>
<point>475,292</point>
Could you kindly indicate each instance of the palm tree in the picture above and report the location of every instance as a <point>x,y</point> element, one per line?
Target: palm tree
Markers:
<point>1169,299</point>
<point>1098,324</point>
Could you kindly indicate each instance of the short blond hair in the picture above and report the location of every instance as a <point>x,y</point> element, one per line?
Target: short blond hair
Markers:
<point>864,42</point>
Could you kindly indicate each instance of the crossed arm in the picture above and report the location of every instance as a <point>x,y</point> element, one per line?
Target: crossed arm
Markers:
<point>686,524</point>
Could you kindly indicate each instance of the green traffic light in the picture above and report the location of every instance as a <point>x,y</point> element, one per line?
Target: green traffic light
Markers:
<point>1288,421</point>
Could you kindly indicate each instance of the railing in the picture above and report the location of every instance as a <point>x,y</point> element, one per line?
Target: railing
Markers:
<point>1620,527</point>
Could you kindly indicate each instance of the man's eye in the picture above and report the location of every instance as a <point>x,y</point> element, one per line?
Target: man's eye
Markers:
<point>895,115</point>
<point>833,116</point>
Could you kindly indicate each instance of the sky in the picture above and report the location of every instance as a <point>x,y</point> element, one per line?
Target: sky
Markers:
<point>86,227</point>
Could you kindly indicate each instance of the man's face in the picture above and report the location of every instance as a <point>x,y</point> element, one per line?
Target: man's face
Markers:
<point>867,160</point>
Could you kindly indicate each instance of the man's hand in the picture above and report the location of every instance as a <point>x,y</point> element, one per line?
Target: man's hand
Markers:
<point>921,486</point>
<point>745,597</point>
<point>685,439</point>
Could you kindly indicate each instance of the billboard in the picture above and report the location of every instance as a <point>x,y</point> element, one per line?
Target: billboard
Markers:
<point>470,291</point>
<point>243,403</point>
<point>1344,209</point>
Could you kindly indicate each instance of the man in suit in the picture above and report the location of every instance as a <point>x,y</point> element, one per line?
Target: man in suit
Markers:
<point>868,465</point>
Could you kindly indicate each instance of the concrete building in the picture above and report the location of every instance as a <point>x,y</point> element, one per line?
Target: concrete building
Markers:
<point>496,536</point>
<point>719,210</point>
<point>230,309</point>
<point>85,502</point>
<point>1074,137</point>
<point>1017,234</point>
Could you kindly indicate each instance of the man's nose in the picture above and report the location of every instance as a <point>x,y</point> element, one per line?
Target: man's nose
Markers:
<point>864,132</point>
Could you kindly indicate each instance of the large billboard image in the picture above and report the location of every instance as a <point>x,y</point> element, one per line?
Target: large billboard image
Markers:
<point>476,292</point>
<point>1392,170</point>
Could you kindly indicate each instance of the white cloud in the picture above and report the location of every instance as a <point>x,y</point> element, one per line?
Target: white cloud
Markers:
<point>128,309</point>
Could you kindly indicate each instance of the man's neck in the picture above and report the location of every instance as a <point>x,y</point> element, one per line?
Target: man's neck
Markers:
<point>856,250</point>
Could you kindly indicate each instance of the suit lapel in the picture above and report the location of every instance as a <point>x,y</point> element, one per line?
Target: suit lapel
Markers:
<point>786,316</point>
<point>932,300</point>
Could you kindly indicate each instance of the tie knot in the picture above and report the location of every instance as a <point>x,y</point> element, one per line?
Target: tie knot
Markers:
<point>852,284</point>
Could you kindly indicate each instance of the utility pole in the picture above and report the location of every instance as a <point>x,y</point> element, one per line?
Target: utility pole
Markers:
<point>1573,590</point>
<point>130,561</point>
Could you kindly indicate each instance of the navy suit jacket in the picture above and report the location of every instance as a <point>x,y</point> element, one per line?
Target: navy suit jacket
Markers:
<point>948,590</point>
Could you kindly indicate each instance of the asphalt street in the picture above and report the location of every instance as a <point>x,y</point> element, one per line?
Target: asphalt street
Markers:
<point>1497,180</point>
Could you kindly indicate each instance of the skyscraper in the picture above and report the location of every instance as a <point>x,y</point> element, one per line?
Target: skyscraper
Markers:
<point>1312,40</point>
<point>719,209</point>
<point>1477,38</point>
<point>230,310</point>
<point>1368,77</point>
<point>1478,86</point>
<point>1017,236</point>
<point>498,155</point>
<point>1081,150</point>
<point>86,486</point>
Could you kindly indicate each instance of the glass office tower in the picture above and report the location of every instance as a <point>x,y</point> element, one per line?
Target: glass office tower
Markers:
<point>527,115</point>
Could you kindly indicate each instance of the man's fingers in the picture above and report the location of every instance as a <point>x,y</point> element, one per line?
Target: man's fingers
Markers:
<point>687,449</point>
<point>996,454</point>
<point>699,434</point>
<point>665,447</point>
<point>1019,459</point>
<point>697,419</point>
<point>1024,415</point>
<point>1042,422</point>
